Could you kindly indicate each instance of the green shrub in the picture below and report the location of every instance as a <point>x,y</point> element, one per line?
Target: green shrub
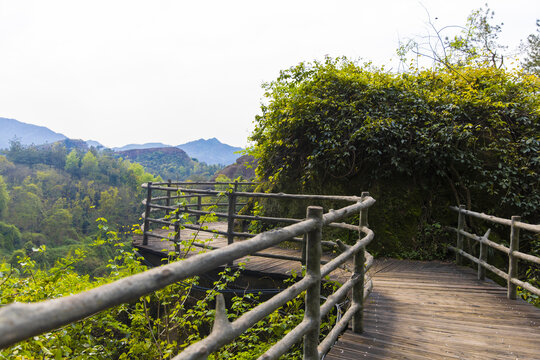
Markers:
<point>10,236</point>
<point>418,142</point>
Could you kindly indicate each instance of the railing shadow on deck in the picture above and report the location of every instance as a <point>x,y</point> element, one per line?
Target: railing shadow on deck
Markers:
<point>19,321</point>
<point>513,252</point>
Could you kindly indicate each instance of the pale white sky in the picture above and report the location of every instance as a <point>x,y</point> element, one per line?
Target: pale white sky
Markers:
<point>113,70</point>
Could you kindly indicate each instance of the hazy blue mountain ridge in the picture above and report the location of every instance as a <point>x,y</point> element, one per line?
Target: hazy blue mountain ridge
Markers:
<point>27,134</point>
<point>169,163</point>
<point>95,144</point>
<point>153,145</point>
<point>211,151</point>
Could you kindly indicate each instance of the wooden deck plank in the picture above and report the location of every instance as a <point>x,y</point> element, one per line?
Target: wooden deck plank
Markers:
<point>418,310</point>
<point>436,310</point>
<point>264,265</point>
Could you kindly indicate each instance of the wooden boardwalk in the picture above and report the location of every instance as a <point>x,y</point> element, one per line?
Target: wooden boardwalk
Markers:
<point>254,264</point>
<point>417,310</point>
<point>435,310</point>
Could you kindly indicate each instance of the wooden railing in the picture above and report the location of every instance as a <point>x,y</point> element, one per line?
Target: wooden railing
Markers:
<point>19,321</point>
<point>171,206</point>
<point>172,201</point>
<point>513,252</point>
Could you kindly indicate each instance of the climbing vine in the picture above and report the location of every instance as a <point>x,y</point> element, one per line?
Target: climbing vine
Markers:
<point>431,139</point>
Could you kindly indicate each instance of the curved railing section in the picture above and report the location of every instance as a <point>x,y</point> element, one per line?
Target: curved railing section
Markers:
<point>19,321</point>
<point>513,252</point>
<point>168,203</point>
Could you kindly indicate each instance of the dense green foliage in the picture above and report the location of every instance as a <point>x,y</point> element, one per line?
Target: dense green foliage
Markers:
<point>47,250</point>
<point>419,142</point>
<point>244,168</point>
<point>10,237</point>
<point>4,197</point>
<point>156,326</point>
<point>51,197</point>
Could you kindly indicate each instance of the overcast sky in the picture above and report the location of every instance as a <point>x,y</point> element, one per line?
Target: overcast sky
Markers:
<point>113,71</point>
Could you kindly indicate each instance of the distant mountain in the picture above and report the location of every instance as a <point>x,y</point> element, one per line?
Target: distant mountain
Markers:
<point>27,134</point>
<point>74,144</point>
<point>211,151</point>
<point>141,146</point>
<point>169,163</point>
<point>95,144</point>
<point>244,166</point>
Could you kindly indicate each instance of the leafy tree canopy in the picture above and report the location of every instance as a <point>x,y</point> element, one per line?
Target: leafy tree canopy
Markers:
<point>10,236</point>
<point>476,43</point>
<point>339,126</point>
<point>25,208</point>
<point>89,165</point>
<point>4,196</point>
<point>55,198</point>
<point>73,163</point>
<point>531,62</point>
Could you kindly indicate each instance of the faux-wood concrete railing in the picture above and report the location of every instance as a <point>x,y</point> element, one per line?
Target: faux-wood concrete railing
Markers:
<point>513,252</point>
<point>19,321</point>
<point>172,207</point>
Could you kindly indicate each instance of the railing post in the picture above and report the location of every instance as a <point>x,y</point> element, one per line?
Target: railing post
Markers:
<point>364,212</point>
<point>168,200</point>
<point>199,208</point>
<point>512,260</point>
<point>230,216</point>
<point>147,213</point>
<point>313,293</point>
<point>359,271</point>
<point>460,226</point>
<point>483,257</point>
<point>177,233</point>
<point>303,256</point>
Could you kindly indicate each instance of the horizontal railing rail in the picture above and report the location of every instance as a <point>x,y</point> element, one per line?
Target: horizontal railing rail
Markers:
<point>498,220</point>
<point>189,183</point>
<point>19,321</point>
<point>267,195</point>
<point>226,207</point>
<point>175,191</point>
<point>513,252</point>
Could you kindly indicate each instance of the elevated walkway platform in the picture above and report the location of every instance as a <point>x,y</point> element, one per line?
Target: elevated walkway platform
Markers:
<point>436,310</point>
<point>267,265</point>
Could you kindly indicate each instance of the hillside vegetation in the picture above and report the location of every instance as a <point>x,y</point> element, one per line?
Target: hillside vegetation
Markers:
<point>244,168</point>
<point>51,197</point>
<point>418,142</point>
